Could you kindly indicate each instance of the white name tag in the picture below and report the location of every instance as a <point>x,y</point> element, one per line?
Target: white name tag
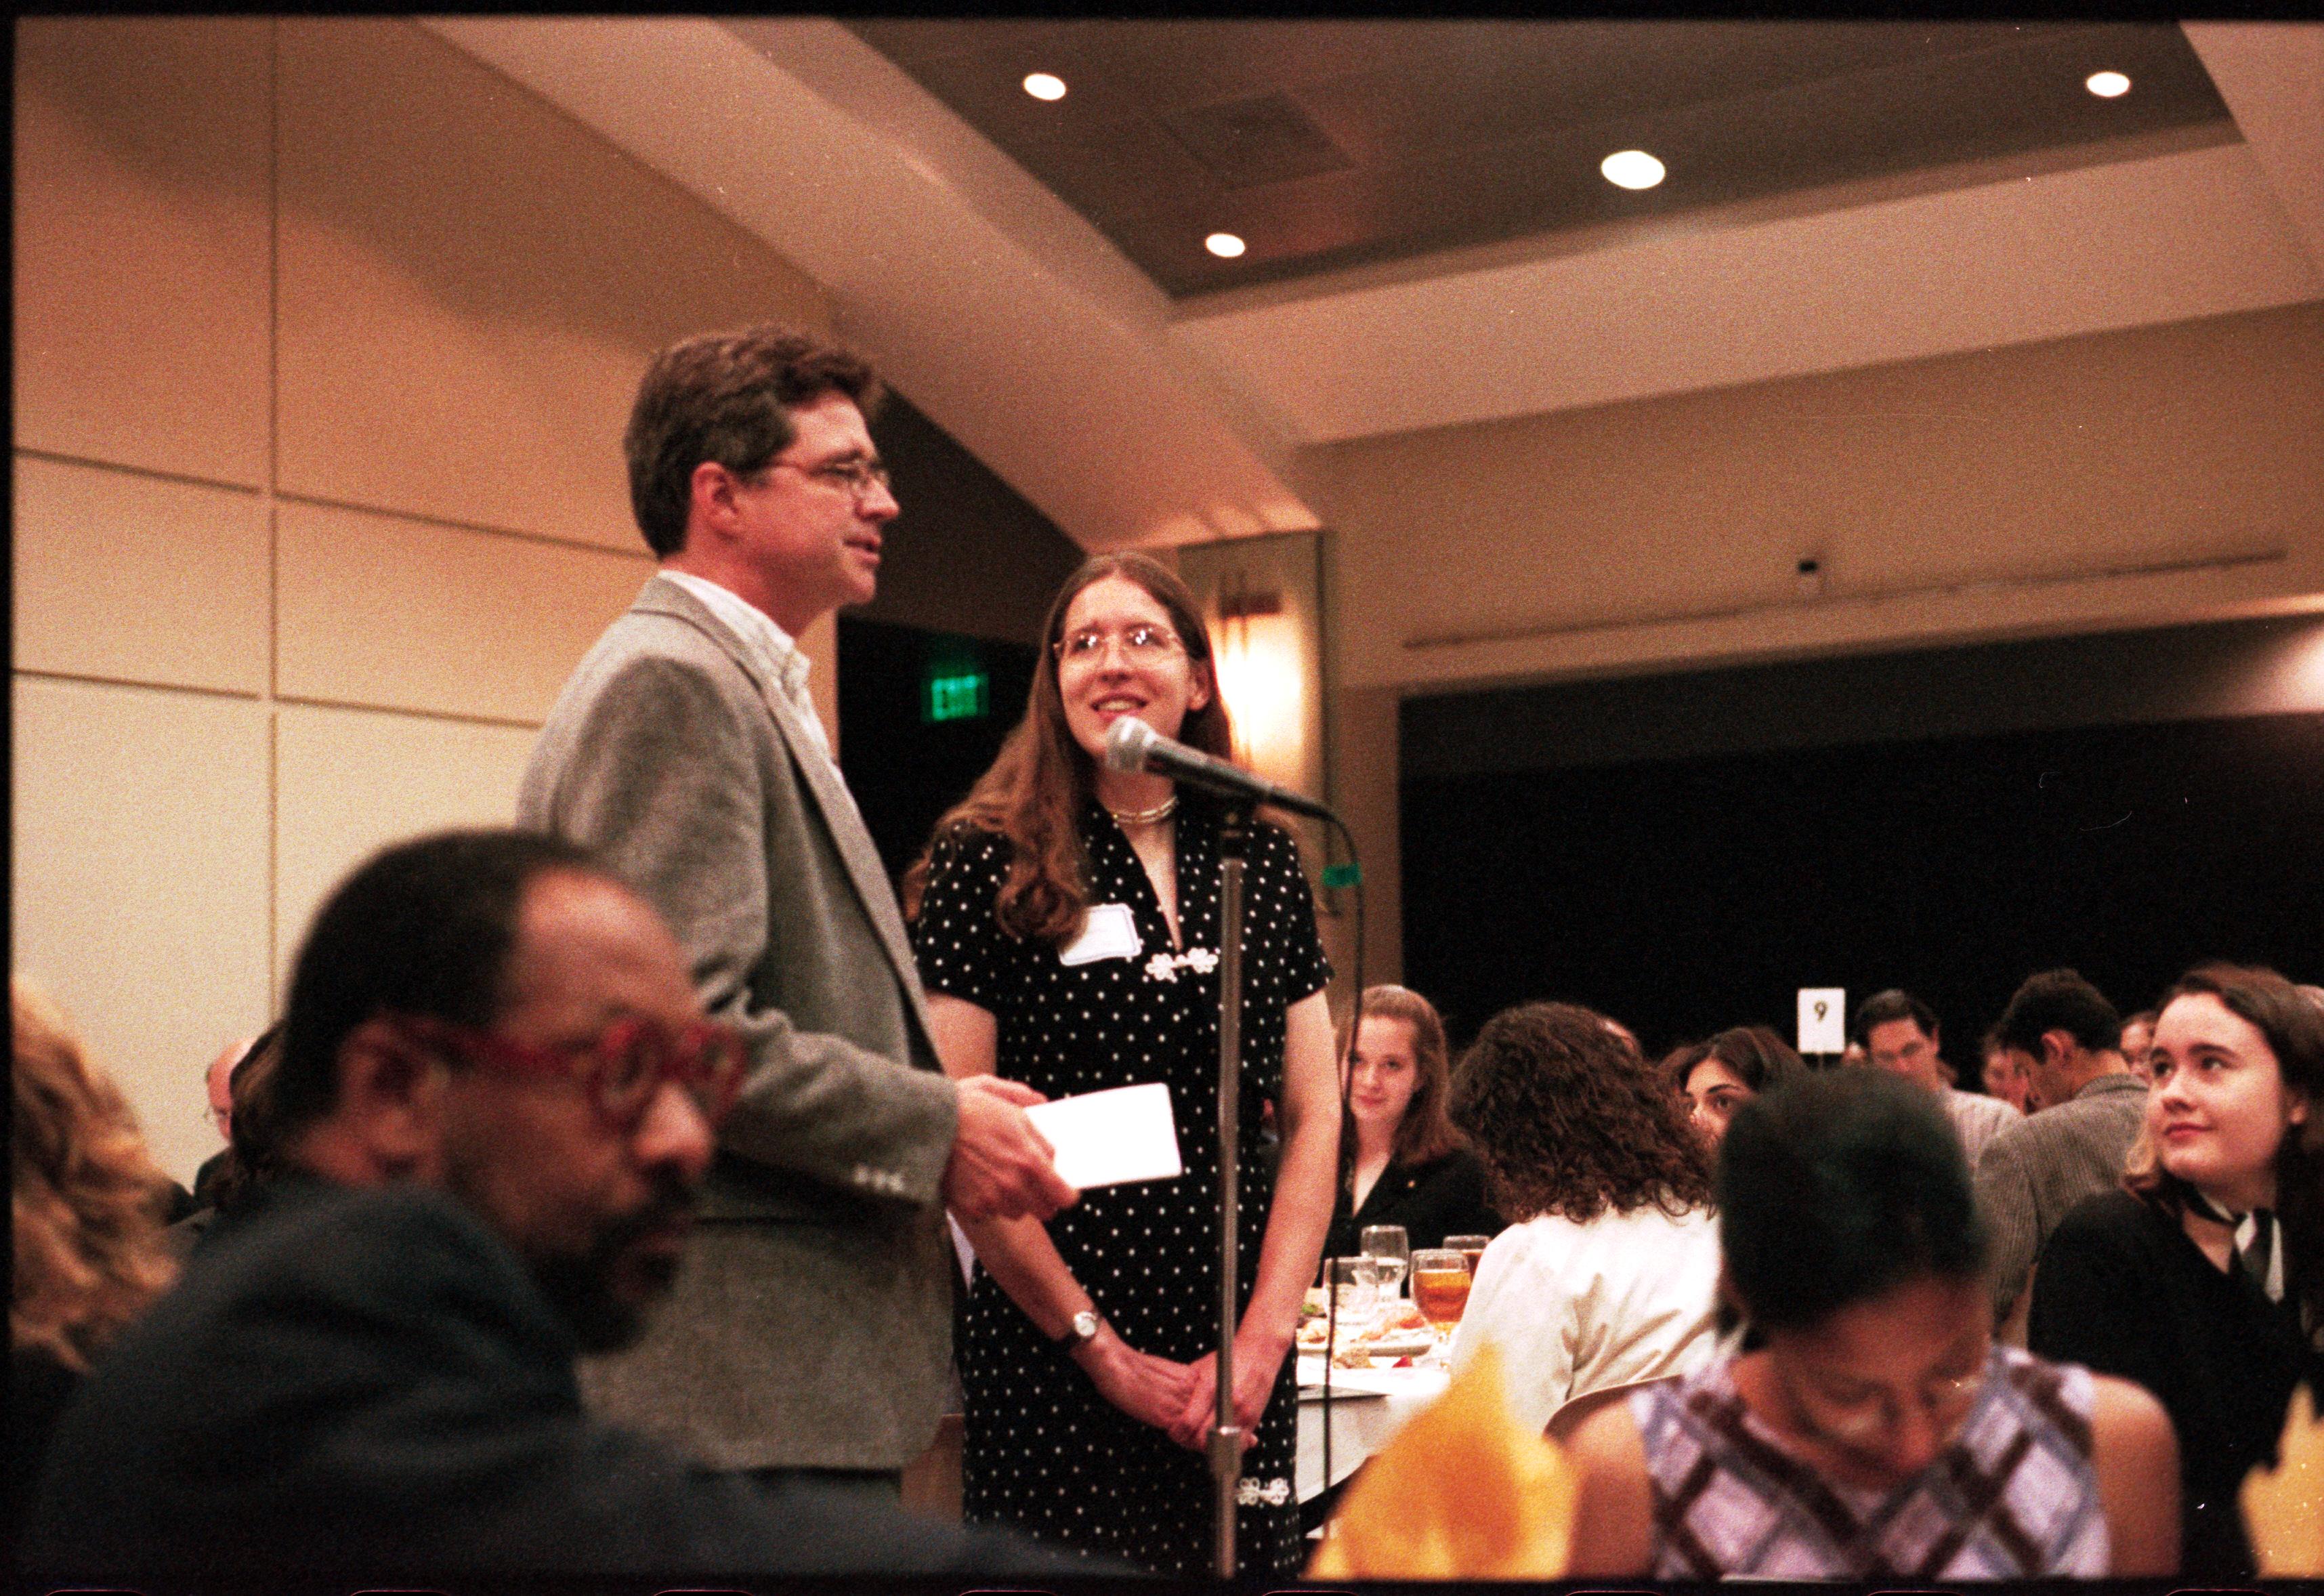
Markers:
<point>1107,933</point>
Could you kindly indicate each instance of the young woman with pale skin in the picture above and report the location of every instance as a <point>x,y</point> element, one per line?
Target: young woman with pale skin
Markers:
<point>1718,1076</point>
<point>1408,1164</point>
<point>1856,1441</point>
<point>2203,1281</point>
<point>1066,920</point>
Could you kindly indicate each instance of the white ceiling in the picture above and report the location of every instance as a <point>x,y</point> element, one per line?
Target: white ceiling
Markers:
<point>1024,333</point>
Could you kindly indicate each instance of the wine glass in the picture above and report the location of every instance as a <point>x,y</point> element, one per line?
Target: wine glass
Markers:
<point>1440,1288</point>
<point>1387,1246</point>
<point>1471,1248</point>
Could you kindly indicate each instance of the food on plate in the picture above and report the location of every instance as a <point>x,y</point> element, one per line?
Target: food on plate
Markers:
<point>1399,1329</point>
<point>1402,1317</point>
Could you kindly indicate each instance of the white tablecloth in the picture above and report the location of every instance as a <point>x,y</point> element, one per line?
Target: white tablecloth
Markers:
<point>1369,1406</point>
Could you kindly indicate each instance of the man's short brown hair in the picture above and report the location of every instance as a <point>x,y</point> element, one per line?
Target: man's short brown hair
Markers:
<point>726,397</point>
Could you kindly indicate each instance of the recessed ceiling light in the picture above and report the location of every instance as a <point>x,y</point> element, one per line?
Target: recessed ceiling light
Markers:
<point>2106,86</point>
<point>1631,169</point>
<point>1044,85</point>
<point>1225,245</point>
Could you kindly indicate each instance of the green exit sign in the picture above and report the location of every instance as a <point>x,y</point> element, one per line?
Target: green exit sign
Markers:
<point>958,698</point>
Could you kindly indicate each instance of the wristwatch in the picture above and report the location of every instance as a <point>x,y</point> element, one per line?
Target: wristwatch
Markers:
<point>1082,1330</point>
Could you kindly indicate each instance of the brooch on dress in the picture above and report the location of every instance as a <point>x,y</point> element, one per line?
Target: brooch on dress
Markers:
<point>1250,1493</point>
<point>1164,966</point>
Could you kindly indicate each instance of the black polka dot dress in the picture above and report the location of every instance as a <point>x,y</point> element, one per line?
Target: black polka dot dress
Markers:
<point>1044,1452</point>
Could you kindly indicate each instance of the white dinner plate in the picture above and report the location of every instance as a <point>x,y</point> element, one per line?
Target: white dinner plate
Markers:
<point>1403,1343</point>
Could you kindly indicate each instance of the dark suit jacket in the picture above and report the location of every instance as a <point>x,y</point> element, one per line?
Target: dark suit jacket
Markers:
<point>812,1325</point>
<point>369,1383</point>
<point>1442,1197</point>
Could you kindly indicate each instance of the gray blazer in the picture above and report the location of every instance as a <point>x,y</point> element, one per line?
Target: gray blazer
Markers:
<point>812,1324</point>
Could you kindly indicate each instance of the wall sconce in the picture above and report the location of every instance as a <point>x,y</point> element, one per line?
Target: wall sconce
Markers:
<point>1262,679</point>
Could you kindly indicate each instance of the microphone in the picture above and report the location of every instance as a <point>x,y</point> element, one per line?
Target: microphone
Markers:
<point>1131,745</point>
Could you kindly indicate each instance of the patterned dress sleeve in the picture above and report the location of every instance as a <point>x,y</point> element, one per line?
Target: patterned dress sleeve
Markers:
<point>962,950</point>
<point>1282,921</point>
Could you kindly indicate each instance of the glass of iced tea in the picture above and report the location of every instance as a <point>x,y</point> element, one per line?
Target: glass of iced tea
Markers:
<point>1471,1248</point>
<point>1440,1287</point>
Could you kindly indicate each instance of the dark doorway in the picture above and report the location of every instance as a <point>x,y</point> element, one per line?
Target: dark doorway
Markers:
<point>921,715</point>
<point>1683,895</point>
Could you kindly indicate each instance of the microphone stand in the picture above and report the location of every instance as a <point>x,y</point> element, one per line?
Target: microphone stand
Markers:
<point>1226,1434</point>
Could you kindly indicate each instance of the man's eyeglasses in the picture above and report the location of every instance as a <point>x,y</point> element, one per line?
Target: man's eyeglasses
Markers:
<point>860,477</point>
<point>1142,644</point>
<point>621,1067</point>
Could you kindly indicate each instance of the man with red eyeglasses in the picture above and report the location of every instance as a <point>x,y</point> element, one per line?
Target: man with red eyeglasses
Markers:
<point>498,1097</point>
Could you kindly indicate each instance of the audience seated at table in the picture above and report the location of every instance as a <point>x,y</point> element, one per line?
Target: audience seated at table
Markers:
<point>1608,1277</point>
<point>88,1204</point>
<point>1863,1421</point>
<point>1406,1163</point>
<point>1880,1433</point>
<point>2204,1281</point>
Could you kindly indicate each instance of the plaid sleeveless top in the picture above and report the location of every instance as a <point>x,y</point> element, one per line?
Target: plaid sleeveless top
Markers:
<point>2013,1497</point>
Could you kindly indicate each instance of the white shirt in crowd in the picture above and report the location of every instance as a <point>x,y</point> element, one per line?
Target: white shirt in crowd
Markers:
<point>1576,1308</point>
<point>776,650</point>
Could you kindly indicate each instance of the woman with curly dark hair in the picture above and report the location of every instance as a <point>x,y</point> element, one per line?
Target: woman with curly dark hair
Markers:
<point>87,1204</point>
<point>1609,1274</point>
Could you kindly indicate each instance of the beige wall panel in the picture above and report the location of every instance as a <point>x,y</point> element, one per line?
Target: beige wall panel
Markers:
<point>1364,765</point>
<point>399,614</point>
<point>140,897</point>
<point>142,249</point>
<point>138,579</point>
<point>2196,442</point>
<point>352,782</point>
<point>471,285</point>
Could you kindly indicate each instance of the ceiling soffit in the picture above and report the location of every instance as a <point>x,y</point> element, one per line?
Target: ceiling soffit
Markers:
<point>1325,145</point>
<point>2091,249</point>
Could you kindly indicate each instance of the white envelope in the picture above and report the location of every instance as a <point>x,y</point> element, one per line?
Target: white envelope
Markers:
<point>1107,1138</point>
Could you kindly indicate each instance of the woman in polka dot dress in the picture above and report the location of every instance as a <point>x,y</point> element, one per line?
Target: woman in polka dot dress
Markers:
<point>1067,922</point>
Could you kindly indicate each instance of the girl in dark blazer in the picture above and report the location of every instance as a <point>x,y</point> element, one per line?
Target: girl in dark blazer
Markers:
<point>1406,1163</point>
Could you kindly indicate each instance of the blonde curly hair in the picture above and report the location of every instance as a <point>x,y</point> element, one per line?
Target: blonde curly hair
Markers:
<point>88,1196</point>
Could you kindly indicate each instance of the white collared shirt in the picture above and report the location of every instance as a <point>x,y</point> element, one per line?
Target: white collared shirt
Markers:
<point>783,660</point>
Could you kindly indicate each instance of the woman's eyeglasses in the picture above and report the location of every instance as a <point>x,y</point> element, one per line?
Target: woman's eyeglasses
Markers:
<point>1145,643</point>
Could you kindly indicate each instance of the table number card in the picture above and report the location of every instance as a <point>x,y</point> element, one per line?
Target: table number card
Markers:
<point>1823,1019</point>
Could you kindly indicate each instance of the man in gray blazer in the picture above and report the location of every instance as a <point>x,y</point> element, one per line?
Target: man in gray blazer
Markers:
<point>811,1328</point>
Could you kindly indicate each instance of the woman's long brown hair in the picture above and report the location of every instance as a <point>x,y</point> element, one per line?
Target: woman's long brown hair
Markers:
<point>1034,793</point>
